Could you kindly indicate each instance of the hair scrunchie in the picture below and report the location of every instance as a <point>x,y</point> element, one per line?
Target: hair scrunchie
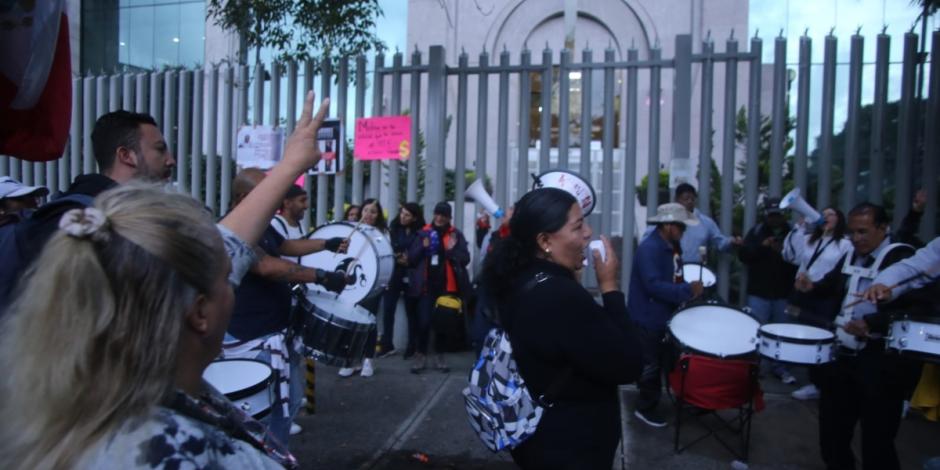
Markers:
<point>85,223</point>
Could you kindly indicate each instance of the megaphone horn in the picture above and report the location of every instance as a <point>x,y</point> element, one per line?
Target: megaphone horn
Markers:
<point>794,201</point>
<point>478,193</point>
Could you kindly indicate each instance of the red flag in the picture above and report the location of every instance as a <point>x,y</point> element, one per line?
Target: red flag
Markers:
<point>35,81</point>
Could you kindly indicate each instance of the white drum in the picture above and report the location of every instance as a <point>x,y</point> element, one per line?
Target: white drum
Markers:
<point>917,337</point>
<point>697,272</point>
<point>797,344</point>
<point>334,333</point>
<point>715,330</point>
<point>570,182</point>
<point>369,260</point>
<point>245,382</point>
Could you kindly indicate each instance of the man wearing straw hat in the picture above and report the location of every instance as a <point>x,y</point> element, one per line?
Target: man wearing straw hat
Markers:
<point>656,290</point>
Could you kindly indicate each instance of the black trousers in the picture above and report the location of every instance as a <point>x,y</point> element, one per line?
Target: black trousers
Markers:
<point>868,389</point>
<point>650,383</point>
<point>390,299</point>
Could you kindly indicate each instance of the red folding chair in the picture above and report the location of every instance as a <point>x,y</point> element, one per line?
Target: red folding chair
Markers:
<point>702,386</point>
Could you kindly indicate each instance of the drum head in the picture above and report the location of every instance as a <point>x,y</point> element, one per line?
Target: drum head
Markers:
<point>361,260</point>
<point>697,272</point>
<point>798,333</point>
<point>236,378</point>
<point>715,330</point>
<point>572,183</point>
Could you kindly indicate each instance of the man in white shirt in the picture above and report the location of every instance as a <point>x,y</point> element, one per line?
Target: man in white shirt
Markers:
<point>289,220</point>
<point>705,234</point>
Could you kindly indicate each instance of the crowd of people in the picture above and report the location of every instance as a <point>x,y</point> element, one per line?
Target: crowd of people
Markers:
<point>150,290</point>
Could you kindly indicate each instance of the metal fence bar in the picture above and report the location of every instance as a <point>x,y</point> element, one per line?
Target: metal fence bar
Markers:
<point>375,166</point>
<point>257,98</point>
<point>342,93</point>
<point>292,96</point>
<point>607,166</point>
<point>436,135</point>
<point>356,196</point>
<point>184,151</point>
<point>101,96</point>
<point>76,135</point>
<point>156,97</point>
<point>140,96</point>
<point>682,98</point>
<point>25,171</point>
<point>460,182</point>
<point>226,162</point>
<point>753,134</point>
<point>545,125</point>
<point>824,164</point>
<point>274,100</point>
<point>196,176</point>
<point>88,117</point>
<point>323,184</point>
<point>877,135</point>
<point>5,162</point>
<point>652,169</point>
<point>928,228</point>
<point>564,113</point>
<point>241,106</point>
<point>394,171</point>
<point>411,191</point>
<point>705,143</point>
<point>778,118</point>
<point>212,109</point>
<point>587,85</point>
<point>114,92</point>
<point>169,110</point>
<point>907,131</point>
<point>305,88</point>
<point>850,165</point>
<point>522,145</point>
<point>483,86</point>
<point>502,135</point>
<point>629,170</point>
<point>127,94</point>
<point>802,114</point>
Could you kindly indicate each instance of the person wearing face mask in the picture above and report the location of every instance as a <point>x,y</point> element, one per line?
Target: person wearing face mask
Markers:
<point>402,233</point>
<point>570,350</point>
<point>439,257</point>
<point>656,290</point>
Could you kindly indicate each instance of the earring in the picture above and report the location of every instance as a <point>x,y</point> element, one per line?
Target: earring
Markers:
<point>548,250</point>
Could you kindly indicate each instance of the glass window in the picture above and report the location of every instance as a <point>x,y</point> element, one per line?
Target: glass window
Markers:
<point>573,121</point>
<point>166,35</point>
<point>140,27</point>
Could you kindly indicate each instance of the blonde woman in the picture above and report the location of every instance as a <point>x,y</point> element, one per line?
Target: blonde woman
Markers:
<point>105,349</point>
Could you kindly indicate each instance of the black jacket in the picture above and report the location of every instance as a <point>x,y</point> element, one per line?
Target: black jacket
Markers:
<point>557,330</point>
<point>768,275</point>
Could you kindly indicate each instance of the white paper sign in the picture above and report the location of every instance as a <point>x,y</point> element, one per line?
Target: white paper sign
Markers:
<point>259,146</point>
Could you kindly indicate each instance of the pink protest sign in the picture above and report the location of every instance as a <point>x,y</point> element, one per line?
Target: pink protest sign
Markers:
<point>383,138</point>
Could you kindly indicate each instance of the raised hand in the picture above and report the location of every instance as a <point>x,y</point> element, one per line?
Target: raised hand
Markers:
<point>302,150</point>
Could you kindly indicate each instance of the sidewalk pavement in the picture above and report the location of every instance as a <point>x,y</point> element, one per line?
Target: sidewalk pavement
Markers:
<point>398,420</point>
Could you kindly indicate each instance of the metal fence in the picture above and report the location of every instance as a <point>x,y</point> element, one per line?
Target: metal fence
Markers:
<point>200,110</point>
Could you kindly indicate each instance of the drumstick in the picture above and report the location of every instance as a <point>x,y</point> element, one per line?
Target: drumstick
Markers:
<point>355,260</point>
<point>702,251</point>
<point>349,238</point>
<point>931,275</point>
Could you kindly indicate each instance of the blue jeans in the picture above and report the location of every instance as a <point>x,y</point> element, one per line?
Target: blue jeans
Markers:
<point>770,311</point>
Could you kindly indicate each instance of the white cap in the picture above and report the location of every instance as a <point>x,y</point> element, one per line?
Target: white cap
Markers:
<point>673,213</point>
<point>11,188</point>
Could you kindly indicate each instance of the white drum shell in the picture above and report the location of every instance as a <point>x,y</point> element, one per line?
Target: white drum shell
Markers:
<point>370,257</point>
<point>911,336</point>
<point>798,344</point>
<point>246,383</point>
<point>697,272</point>
<point>715,330</point>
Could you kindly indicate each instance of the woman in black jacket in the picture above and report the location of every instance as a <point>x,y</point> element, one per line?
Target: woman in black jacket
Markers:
<point>563,341</point>
<point>402,233</point>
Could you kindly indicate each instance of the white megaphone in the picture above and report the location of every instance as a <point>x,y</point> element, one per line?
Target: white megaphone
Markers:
<point>795,202</point>
<point>478,193</point>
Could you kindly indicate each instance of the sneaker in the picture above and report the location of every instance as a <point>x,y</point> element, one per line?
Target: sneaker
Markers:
<point>295,429</point>
<point>388,353</point>
<point>347,372</point>
<point>367,369</point>
<point>806,392</point>
<point>651,418</point>
<point>787,378</point>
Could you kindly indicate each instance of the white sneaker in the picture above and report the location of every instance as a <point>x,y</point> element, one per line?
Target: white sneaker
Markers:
<point>346,372</point>
<point>295,429</point>
<point>367,369</point>
<point>787,378</point>
<point>806,392</point>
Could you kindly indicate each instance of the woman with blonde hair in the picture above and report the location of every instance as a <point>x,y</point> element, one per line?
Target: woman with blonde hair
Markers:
<point>106,345</point>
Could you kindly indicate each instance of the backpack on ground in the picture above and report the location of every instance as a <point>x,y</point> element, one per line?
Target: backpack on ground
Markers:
<point>13,239</point>
<point>499,406</point>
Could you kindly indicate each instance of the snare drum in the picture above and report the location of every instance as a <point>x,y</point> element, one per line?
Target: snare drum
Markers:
<point>334,333</point>
<point>370,260</point>
<point>697,272</point>
<point>915,336</point>
<point>797,344</point>
<point>715,330</point>
<point>245,382</point>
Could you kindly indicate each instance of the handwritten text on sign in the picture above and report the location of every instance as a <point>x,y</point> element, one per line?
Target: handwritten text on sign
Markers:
<point>383,138</point>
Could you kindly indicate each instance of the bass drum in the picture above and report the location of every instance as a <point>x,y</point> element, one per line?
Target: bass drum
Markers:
<point>714,330</point>
<point>369,260</point>
<point>334,333</point>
